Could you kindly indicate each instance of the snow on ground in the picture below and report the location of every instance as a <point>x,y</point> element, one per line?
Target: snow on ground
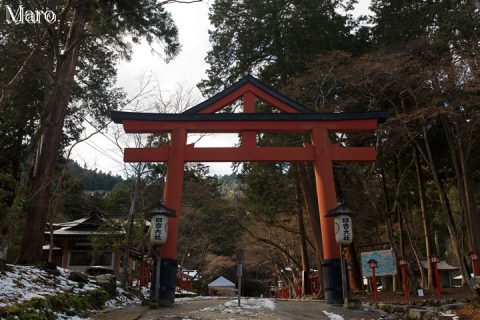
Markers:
<point>183,291</point>
<point>122,299</point>
<point>201,298</point>
<point>22,283</point>
<point>332,316</point>
<point>252,303</point>
<point>60,316</point>
<point>247,305</point>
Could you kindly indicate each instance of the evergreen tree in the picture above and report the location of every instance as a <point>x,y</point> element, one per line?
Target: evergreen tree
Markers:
<point>271,39</point>
<point>85,34</point>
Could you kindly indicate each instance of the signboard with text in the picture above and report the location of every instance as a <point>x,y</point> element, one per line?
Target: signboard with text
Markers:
<point>386,263</point>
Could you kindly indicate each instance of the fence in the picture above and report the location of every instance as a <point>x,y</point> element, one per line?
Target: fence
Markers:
<point>284,293</point>
<point>141,272</point>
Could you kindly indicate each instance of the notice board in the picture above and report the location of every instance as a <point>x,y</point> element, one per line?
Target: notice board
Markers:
<point>386,263</point>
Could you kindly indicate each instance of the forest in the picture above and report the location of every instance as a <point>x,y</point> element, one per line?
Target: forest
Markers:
<point>417,59</point>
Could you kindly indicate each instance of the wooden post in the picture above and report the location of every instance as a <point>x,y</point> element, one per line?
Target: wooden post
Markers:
<point>157,278</point>
<point>437,279</point>
<point>405,286</point>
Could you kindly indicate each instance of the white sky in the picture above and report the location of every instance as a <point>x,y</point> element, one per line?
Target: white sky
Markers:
<point>185,71</point>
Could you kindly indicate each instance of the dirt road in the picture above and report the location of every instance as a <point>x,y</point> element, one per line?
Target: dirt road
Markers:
<point>299,310</point>
<point>226,309</point>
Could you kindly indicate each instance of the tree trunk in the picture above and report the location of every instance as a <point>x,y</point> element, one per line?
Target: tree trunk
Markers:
<point>355,265</point>
<point>399,213</point>
<point>414,250</point>
<point>471,201</point>
<point>131,222</point>
<point>54,113</point>
<point>425,218</point>
<point>306,288</point>
<point>386,213</point>
<point>311,205</point>
<point>388,223</point>
<point>462,200</point>
<point>17,211</point>
<point>447,211</point>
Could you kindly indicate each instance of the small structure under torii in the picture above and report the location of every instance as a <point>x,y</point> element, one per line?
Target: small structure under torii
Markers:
<point>292,118</point>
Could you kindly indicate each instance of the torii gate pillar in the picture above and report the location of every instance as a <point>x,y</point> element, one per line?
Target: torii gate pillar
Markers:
<point>327,200</point>
<point>172,198</point>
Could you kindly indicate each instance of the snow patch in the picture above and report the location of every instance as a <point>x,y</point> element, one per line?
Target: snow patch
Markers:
<point>252,303</point>
<point>202,298</point>
<point>247,305</point>
<point>122,299</point>
<point>332,316</point>
<point>61,316</point>
<point>22,283</point>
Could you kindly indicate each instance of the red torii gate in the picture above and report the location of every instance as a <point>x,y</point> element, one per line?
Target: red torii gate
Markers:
<point>292,118</point>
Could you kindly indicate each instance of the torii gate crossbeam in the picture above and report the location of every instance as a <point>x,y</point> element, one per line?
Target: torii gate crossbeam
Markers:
<point>293,118</point>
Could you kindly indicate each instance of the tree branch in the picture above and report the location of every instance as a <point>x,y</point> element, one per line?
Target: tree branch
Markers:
<point>273,244</point>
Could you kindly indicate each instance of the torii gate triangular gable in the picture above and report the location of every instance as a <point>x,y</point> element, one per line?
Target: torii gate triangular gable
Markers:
<point>248,88</point>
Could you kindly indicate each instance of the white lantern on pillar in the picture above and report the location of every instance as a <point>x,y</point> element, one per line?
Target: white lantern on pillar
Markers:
<point>159,223</point>
<point>342,215</point>
<point>158,229</point>
<point>343,229</point>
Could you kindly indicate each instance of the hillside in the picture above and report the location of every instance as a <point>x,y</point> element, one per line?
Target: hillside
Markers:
<point>93,179</point>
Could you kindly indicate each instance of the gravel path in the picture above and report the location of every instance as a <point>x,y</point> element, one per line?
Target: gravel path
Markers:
<point>226,309</point>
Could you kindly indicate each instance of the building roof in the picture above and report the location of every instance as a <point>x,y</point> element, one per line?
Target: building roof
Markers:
<point>79,228</point>
<point>69,223</point>
<point>62,231</point>
<point>221,282</point>
<point>442,265</point>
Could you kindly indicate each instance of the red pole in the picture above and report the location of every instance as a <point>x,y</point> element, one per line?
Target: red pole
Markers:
<point>404,275</point>
<point>326,196</point>
<point>435,265</point>
<point>475,268</point>
<point>172,194</point>
<point>327,199</point>
<point>374,284</point>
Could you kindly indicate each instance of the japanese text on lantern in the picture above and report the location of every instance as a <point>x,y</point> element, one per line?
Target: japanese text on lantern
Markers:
<point>158,229</point>
<point>343,229</point>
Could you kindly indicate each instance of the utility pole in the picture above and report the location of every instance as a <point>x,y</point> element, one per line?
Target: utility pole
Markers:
<point>240,262</point>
